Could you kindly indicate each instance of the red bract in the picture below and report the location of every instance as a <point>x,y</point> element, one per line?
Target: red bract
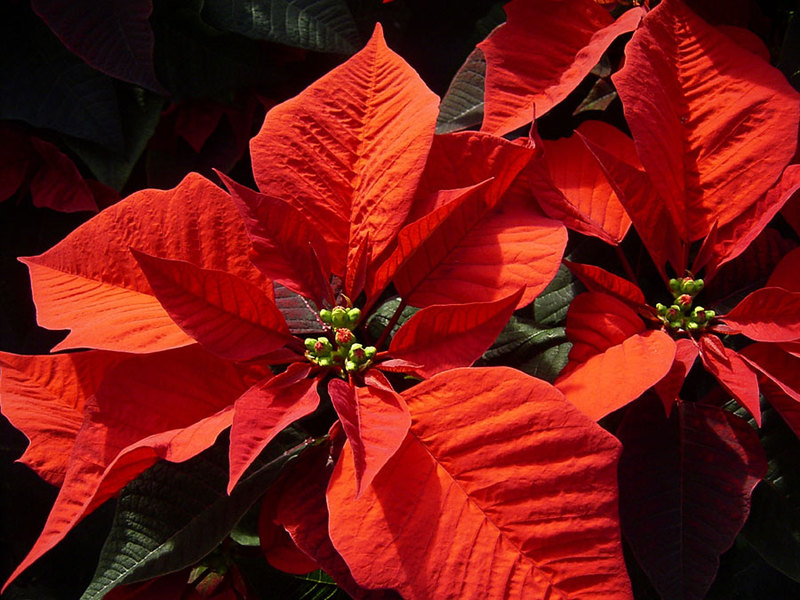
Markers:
<point>182,316</point>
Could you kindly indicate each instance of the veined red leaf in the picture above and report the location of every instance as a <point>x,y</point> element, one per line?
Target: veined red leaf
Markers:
<point>375,419</point>
<point>517,519</point>
<point>264,410</point>
<point>729,241</point>
<point>685,485</point>
<point>686,352</point>
<point>478,255</point>
<point>713,124</point>
<point>769,314</point>
<point>732,373</point>
<point>596,322</point>
<point>447,336</point>
<point>617,376</point>
<point>783,370</point>
<point>460,160</point>
<point>349,150</point>
<point>303,511</point>
<point>91,284</point>
<point>786,272</point>
<point>597,279</point>
<point>663,236</point>
<point>169,405</point>
<point>229,316</point>
<point>58,184</point>
<point>286,247</point>
<point>541,54</point>
<point>583,195</point>
<point>43,397</point>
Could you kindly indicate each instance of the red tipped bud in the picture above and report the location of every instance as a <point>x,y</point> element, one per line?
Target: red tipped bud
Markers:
<point>344,337</point>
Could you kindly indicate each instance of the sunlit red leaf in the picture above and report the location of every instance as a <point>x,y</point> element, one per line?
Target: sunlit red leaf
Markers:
<point>732,372</point>
<point>375,419</point>
<point>517,519</point>
<point>685,485</point>
<point>686,352</point>
<point>286,247</point>
<point>541,55</point>
<point>229,316</point>
<point>349,150</point>
<point>169,405</point>
<point>769,314</point>
<point>43,397</point>
<point>597,279</point>
<point>264,410</point>
<point>582,195</point>
<point>714,126</point>
<point>447,336</point>
<point>617,376</point>
<point>91,284</point>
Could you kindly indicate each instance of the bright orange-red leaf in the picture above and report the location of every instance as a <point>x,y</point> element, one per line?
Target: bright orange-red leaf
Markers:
<point>732,373</point>
<point>714,125</point>
<point>170,405</point>
<point>375,419</point>
<point>43,397</point>
<point>264,410</point>
<point>541,55</point>
<point>447,336</point>
<point>617,376</point>
<point>583,197</point>
<point>91,284</point>
<point>518,519</point>
<point>349,150</point>
<point>286,247</point>
<point>769,314</point>
<point>229,316</point>
<point>597,279</point>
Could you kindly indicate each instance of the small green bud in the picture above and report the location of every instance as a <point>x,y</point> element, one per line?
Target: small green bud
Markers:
<point>692,326</point>
<point>350,366</point>
<point>324,361</point>
<point>370,352</point>
<point>674,286</point>
<point>661,309</point>
<point>325,315</point>
<point>323,346</point>
<point>710,314</point>
<point>310,343</point>
<point>675,324</point>
<point>339,317</point>
<point>354,314</point>
<point>673,313</point>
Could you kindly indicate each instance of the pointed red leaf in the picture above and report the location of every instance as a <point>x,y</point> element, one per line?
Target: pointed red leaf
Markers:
<point>265,410</point>
<point>375,419</point>
<point>43,397</point>
<point>596,322</point>
<point>617,376</point>
<point>686,352</point>
<point>91,284</point>
<point>783,370</point>
<point>169,405</point>
<point>733,239</point>
<point>597,279</point>
<point>786,272</point>
<point>229,316</point>
<point>541,55</point>
<point>447,336</point>
<point>349,150</point>
<point>58,184</point>
<point>478,255</point>
<point>518,519</point>
<point>286,247</point>
<point>685,485</point>
<point>713,124</point>
<point>732,373</point>
<point>580,192</point>
<point>770,314</point>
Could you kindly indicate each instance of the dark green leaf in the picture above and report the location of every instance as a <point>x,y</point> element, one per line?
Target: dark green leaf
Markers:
<point>462,105</point>
<point>550,307</point>
<point>773,528</point>
<point>272,584</point>
<point>47,86</point>
<point>380,317</point>
<point>174,514</point>
<point>142,110</point>
<point>321,25</point>
<point>790,51</point>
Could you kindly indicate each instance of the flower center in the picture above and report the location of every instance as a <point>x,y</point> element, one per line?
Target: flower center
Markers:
<point>340,348</point>
<point>681,316</point>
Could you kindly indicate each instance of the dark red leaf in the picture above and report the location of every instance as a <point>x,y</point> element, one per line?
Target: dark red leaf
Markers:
<point>732,372</point>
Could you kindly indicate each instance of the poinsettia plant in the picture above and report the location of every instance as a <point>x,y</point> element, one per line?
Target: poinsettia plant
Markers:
<point>536,354</point>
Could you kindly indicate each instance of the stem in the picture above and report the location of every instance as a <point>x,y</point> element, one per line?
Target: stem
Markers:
<point>625,264</point>
<point>392,322</point>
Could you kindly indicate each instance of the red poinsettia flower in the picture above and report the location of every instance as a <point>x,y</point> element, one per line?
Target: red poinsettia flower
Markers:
<point>184,306</point>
